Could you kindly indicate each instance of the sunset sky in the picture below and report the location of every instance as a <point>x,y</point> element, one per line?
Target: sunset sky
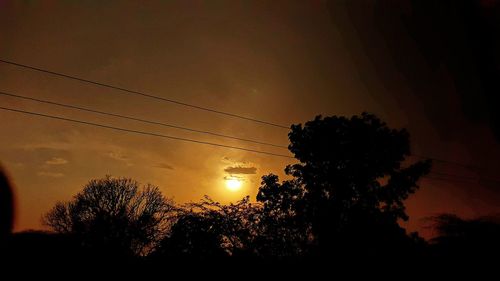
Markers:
<point>280,61</point>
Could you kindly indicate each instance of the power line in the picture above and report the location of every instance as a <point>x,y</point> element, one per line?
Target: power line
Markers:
<point>454,176</point>
<point>144,94</point>
<point>480,181</point>
<point>143,132</point>
<point>473,168</point>
<point>471,178</point>
<point>448,180</point>
<point>196,107</point>
<point>470,167</point>
<point>461,178</point>
<point>191,105</point>
<point>138,119</point>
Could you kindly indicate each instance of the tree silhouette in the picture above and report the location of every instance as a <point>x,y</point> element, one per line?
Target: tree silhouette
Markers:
<point>459,238</point>
<point>281,232</point>
<point>350,184</point>
<point>114,215</point>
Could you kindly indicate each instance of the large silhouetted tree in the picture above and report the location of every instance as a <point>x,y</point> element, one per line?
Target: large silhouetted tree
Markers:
<point>114,215</point>
<point>349,187</point>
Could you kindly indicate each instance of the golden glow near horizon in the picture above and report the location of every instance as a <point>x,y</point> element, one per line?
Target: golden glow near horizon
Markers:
<point>233,184</point>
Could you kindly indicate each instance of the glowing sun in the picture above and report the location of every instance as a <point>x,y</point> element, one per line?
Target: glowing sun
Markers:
<point>233,184</point>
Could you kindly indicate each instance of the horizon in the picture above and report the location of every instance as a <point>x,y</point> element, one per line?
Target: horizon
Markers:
<point>282,63</point>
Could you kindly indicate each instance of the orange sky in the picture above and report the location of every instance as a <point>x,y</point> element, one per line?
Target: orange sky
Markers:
<point>282,61</point>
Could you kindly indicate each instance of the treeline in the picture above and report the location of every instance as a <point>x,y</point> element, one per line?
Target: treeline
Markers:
<point>341,207</point>
<point>114,221</point>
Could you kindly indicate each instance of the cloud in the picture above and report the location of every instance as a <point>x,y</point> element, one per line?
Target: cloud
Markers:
<point>56,161</point>
<point>163,166</point>
<point>63,141</point>
<point>230,161</point>
<point>241,170</point>
<point>55,146</point>
<point>50,174</point>
<point>117,156</point>
<point>234,178</point>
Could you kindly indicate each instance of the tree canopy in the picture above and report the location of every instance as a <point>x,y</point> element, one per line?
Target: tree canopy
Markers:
<point>349,187</point>
<point>114,214</point>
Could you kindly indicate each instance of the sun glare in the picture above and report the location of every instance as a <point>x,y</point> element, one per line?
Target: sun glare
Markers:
<point>233,184</point>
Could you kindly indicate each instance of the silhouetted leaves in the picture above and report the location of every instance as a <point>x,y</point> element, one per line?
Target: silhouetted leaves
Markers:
<point>209,229</point>
<point>350,185</point>
<point>281,232</point>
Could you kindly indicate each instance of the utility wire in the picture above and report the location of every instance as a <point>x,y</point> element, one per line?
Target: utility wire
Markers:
<point>192,106</point>
<point>470,167</point>
<point>473,178</point>
<point>474,168</point>
<point>144,94</point>
<point>142,132</point>
<point>447,179</point>
<point>453,176</point>
<point>138,119</point>
<point>461,179</point>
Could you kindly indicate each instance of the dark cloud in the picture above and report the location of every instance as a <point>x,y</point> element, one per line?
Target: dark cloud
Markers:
<point>164,166</point>
<point>235,162</point>
<point>241,170</point>
<point>234,178</point>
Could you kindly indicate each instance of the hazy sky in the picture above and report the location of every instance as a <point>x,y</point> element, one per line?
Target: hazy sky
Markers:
<point>281,61</point>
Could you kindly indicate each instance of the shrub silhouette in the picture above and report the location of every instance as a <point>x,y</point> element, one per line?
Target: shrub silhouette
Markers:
<point>210,230</point>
